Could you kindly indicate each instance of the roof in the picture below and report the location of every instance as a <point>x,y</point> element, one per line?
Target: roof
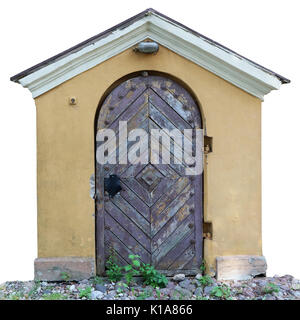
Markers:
<point>226,63</point>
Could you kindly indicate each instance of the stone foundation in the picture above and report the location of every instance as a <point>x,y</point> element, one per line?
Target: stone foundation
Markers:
<point>64,268</point>
<point>240,267</point>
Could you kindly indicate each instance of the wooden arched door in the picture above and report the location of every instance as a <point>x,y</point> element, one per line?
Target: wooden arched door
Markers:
<point>158,213</point>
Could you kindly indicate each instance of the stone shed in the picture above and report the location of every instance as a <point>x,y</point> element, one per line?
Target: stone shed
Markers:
<point>150,73</point>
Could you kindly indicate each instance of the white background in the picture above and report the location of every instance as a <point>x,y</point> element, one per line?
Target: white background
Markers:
<point>264,31</point>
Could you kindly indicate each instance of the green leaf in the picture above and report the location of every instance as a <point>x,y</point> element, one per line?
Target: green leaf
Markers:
<point>128,268</point>
<point>136,263</point>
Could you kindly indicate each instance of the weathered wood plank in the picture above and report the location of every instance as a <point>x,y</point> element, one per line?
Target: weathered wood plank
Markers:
<point>168,111</point>
<point>167,171</point>
<point>125,236</point>
<point>111,240</point>
<point>159,219</point>
<point>186,99</point>
<point>130,226</point>
<point>176,252</point>
<point>175,105</point>
<point>158,192</point>
<point>113,106</point>
<point>166,230</point>
<point>138,189</point>
<point>131,213</point>
<point>175,152</point>
<point>184,260</point>
<point>181,232</point>
<point>136,202</point>
<point>240,267</point>
<point>163,122</point>
<point>168,197</point>
<point>192,264</point>
<point>120,150</point>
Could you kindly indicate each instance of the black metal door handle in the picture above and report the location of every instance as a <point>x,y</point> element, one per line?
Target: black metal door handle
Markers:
<point>112,185</point>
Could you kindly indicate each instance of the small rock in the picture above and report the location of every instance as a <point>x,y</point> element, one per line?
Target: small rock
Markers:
<point>269,297</point>
<point>72,288</point>
<point>96,295</point>
<point>112,292</point>
<point>288,277</point>
<point>208,289</point>
<point>181,293</point>
<point>185,283</point>
<point>248,292</point>
<point>198,276</point>
<point>85,281</point>
<point>171,285</point>
<point>296,294</point>
<point>47,292</point>
<point>100,287</point>
<point>278,295</point>
<point>165,291</point>
<point>295,284</point>
<point>284,287</point>
<point>179,277</point>
<point>44,284</point>
<point>262,283</point>
<point>29,286</point>
<point>198,292</point>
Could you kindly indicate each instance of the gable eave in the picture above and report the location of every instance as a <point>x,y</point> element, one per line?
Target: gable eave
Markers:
<point>206,53</point>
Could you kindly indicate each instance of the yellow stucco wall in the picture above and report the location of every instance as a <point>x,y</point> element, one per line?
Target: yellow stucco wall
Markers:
<point>65,137</point>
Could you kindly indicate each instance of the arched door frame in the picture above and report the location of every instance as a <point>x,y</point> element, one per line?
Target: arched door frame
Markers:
<point>199,187</point>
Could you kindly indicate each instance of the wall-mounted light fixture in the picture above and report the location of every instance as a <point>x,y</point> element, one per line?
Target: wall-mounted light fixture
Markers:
<point>146,47</point>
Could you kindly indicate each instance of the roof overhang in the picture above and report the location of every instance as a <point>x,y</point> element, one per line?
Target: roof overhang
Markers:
<point>206,53</point>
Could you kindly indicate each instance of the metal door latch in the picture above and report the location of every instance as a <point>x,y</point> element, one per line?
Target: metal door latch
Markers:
<point>208,144</point>
<point>112,185</point>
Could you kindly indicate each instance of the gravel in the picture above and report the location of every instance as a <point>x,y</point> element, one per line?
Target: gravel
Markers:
<point>178,287</point>
<point>179,277</point>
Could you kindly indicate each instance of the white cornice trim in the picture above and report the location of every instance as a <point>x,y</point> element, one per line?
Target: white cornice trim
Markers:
<point>238,71</point>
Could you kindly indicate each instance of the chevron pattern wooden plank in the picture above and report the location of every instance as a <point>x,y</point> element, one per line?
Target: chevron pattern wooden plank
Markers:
<point>158,213</point>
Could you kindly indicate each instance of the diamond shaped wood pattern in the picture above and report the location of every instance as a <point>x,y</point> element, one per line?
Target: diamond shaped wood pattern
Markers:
<point>158,214</point>
<point>149,177</point>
